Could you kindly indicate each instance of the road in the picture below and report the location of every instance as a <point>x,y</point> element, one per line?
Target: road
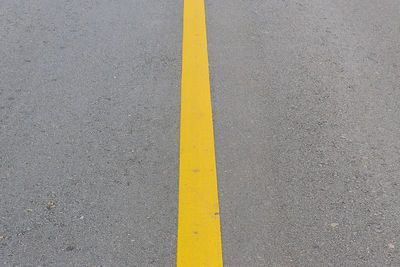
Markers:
<point>305,98</point>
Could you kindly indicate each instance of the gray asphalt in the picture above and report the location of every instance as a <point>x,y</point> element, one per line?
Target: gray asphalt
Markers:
<point>306,117</point>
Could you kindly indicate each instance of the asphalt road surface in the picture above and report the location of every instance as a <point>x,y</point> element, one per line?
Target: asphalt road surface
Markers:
<point>306,107</point>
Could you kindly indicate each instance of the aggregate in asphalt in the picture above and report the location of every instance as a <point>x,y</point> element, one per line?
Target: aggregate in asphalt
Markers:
<point>306,113</point>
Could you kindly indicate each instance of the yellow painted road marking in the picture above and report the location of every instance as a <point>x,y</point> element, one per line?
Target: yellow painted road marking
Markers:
<point>199,234</point>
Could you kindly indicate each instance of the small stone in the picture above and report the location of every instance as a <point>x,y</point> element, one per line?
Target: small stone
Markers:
<point>346,138</point>
<point>391,245</point>
<point>51,205</point>
<point>334,224</point>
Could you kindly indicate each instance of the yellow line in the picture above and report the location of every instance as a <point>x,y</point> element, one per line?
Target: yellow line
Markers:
<point>199,234</point>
